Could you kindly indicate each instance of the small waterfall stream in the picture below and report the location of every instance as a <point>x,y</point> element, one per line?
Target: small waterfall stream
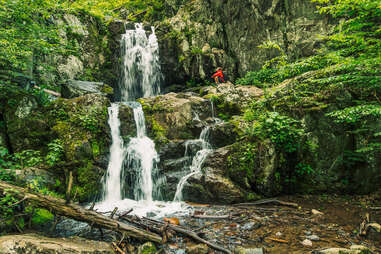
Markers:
<point>197,160</point>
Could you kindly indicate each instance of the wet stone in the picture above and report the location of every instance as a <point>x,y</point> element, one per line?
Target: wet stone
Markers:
<point>307,243</point>
<point>313,238</point>
<point>197,249</point>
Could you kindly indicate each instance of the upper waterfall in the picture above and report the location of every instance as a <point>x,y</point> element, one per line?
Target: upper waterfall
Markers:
<point>140,71</point>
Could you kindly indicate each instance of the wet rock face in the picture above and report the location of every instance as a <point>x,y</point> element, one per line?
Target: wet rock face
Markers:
<point>213,185</point>
<point>36,244</point>
<point>76,88</point>
<point>205,34</point>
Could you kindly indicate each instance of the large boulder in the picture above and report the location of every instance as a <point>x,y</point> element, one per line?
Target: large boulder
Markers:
<point>37,244</point>
<point>213,185</point>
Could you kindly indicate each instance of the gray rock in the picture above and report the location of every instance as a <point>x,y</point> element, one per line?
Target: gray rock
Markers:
<point>241,250</point>
<point>76,88</point>
<point>355,249</point>
<point>248,226</point>
<point>36,244</point>
<point>313,237</point>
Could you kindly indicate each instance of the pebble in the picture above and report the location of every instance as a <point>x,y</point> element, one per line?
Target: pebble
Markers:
<point>248,226</point>
<point>279,234</point>
<point>307,243</point>
<point>313,237</point>
<point>316,212</point>
<point>308,232</point>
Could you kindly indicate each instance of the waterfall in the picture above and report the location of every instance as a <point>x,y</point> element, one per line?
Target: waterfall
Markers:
<point>142,158</point>
<point>140,74</point>
<point>112,190</point>
<point>137,161</point>
<point>197,160</point>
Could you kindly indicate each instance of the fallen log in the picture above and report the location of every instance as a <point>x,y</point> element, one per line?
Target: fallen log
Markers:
<point>268,201</point>
<point>76,212</point>
<point>187,232</point>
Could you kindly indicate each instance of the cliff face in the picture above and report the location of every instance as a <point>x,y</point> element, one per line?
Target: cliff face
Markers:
<point>205,34</point>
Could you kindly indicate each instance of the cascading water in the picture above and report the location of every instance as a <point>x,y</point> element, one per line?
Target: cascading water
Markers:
<point>140,77</point>
<point>141,74</point>
<point>142,158</point>
<point>112,190</point>
<point>197,160</point>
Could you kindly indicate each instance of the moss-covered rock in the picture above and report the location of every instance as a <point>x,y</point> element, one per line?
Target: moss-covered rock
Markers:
<point>81,124</point>
<point>172,116</point>
<point>147,248</point>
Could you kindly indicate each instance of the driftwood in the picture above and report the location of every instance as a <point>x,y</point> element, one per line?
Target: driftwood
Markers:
<point>268,201</point>
<point>277,240</point>
<point>212,217</point>
<point>59,207</point>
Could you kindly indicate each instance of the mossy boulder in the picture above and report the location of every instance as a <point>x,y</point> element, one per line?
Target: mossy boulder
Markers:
<point>172,116</point>
<point>81,125</point>
<point>229,99</point>
<point>24,121</point>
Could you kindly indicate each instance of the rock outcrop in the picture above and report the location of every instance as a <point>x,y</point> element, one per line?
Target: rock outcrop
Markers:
<point>205,34</point>
<point>37,244</point>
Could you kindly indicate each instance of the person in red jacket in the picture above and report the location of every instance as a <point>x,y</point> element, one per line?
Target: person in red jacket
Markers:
<point>218,76</point>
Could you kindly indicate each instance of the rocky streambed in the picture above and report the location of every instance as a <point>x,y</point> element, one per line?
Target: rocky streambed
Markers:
<point>318,224</point>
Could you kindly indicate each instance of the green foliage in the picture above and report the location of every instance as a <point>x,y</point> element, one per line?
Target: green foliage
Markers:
<point>135,10</point>
<point>353,115</point>
<point>6,202</point>
<point>5,161</point>
<point>28,158</point>
<point>282,130</point>
<point>26,31</point>
<point>55,152</point>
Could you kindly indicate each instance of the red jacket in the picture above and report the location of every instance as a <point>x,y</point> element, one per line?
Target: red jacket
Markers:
<point>219,74</point>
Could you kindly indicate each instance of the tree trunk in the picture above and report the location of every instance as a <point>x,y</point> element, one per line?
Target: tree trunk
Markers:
<point>76,212</point>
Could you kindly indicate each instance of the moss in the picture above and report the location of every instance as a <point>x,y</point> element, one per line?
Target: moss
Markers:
<point>41,217</point>
<point>87,182</point>
<point>160,133</point>
<point>251,196</point>
<point>95,147</point>
<point>147,248</point>
<point>107,89</point>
